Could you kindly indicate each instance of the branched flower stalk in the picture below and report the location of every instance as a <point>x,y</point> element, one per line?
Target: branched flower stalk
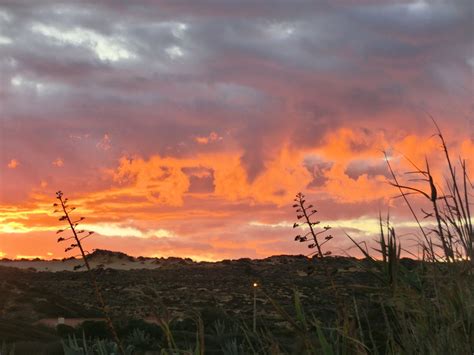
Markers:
<point>306,212</point>
<point>77,237</point>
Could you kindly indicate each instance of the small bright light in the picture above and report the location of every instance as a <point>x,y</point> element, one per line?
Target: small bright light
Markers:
<point>255,284</point>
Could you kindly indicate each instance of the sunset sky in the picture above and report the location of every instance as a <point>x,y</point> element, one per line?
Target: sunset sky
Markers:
<point>185,128</point>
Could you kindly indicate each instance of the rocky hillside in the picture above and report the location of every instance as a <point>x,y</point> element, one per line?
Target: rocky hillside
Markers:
<point>146,288</point>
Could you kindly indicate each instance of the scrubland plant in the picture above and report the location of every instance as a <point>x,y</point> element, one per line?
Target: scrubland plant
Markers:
<point>76,239</point>
<point>6,349</point>
<point>450,238</point>
<point>311,235</point>
<point>82,346</point>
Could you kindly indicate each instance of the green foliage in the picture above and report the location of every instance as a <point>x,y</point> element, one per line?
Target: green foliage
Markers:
<point>73,346</point>
<point>93,329</point>
<point>64,330</point>
<point>140,339</point>
<point>132,326</point>
<point>6,349</point>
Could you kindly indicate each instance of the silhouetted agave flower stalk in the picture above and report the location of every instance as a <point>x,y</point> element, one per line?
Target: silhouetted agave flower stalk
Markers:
<point>78,235</point>
<point>305,212</point>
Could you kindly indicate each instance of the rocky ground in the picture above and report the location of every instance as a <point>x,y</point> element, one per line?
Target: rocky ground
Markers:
<point>154,288</point>
<point>178,286</point>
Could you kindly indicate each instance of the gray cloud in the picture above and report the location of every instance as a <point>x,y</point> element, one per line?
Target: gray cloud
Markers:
<point>361,167</point>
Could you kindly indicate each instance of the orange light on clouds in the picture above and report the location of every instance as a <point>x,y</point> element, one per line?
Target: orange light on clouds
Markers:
<point>59,162</point>
<point>13,164</point>
<point>147,199</point>
<point>212,137</point>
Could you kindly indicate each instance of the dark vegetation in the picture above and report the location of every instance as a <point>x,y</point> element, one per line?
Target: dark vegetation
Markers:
<point>382,304</point>
<point>180,292</point>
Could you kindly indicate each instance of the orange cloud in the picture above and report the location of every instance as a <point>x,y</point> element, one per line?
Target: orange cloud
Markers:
<point>347,144</point>
<point>59,162</point>
<point>141,205</point>
<point>105,143</point>
<point>13,164</point>
<point>162,180</point>
<point>212,137</point>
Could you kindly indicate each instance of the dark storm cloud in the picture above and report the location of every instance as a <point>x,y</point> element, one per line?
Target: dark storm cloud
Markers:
<point>153,75</point>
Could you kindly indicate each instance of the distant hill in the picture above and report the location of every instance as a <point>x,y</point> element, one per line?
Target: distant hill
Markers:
<point>101,258</point>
